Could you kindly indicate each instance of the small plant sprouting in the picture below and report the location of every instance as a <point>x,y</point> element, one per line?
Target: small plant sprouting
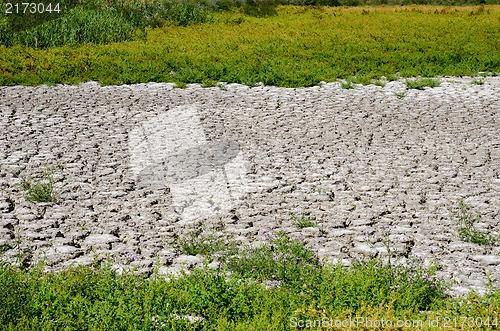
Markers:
<point>222,86</point>
<point>400,95</point>
<point>420,83</point>
<point>40,190</point>
<point>478,81</point>
<point>467,232</point>
<point>303,221</point>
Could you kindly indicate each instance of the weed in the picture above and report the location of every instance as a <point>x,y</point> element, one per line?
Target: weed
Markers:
<point>209,83</point>
<point>466,219</point>
<point>41,190</point>
<point>421,83</point>
<point>319,190</point>
<point>347,84</point>
<point>478,81</point>
<point>222,86</point>
<point>303,221</point>
<point>203,241</point>
<point>400,95</point>
<point>181,85</point>
<point>284,261</point>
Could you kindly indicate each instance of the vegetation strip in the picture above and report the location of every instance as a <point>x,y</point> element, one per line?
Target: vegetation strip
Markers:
<point>281,285</point>
<point>298,46</point>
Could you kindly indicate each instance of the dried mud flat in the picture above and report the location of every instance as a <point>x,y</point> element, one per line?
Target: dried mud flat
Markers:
<point>136,165</point>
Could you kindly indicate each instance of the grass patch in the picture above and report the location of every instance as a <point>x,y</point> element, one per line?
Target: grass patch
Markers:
<point>466,218</point>
<point>277,286</point>
<point>347,84</point>
<point>478,81</point>
<point>39,190</point>
<point>298,46</point>
<point>203,240</point>
<point>421,83</point>
<point>303,221</point>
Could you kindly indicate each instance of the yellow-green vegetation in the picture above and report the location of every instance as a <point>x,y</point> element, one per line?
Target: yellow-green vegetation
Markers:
<point>298,46</point>
<point>281,285</point>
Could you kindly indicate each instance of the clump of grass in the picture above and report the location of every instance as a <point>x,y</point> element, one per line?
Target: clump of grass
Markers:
<point>303,221</point>
<point>181,85</point>
<point>209,83</point>
<point>40,190</point>
<point>400,95</point>
<point>347,84</point>
<point>478,81</point>
<point>466,218</point>
<point>420,83</point>
<point>203,240</point>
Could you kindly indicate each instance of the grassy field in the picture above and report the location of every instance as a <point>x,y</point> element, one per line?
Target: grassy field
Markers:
<point>292,46</point>
<point>281,285</point>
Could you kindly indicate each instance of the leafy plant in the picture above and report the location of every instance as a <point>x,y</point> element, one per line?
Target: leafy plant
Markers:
<point>466,219</point>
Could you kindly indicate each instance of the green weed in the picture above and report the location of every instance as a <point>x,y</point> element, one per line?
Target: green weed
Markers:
<point>204,241</point>
<point>101,22</point>
<point>39,190</point>
<point>478,81</point>
<point>420,83</point>
<point>304,221</point>
<point>347,84</point>
<point>466,219</point>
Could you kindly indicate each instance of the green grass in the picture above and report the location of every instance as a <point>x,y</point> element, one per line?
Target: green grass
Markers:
<point>466,218</point>
<point>203,240</point>
<point>298,46</point>
<point>420,83</point>
<point>303,221</point>
<point>39,190</point>
<point>277,286</point>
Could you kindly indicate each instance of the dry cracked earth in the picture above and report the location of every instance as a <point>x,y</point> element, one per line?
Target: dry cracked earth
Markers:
<point>137,166</point>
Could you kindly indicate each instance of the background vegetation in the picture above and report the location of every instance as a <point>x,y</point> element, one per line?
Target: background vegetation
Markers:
<point>291,46</point>
<point>271,287</point>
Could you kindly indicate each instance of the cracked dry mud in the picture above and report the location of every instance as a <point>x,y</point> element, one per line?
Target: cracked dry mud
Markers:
<point>136,165</point>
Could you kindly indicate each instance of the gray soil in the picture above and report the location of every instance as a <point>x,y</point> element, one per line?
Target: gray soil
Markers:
<point>137,166</point>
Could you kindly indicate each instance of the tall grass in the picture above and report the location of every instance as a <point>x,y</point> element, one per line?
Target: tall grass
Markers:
<point>99,22</point>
